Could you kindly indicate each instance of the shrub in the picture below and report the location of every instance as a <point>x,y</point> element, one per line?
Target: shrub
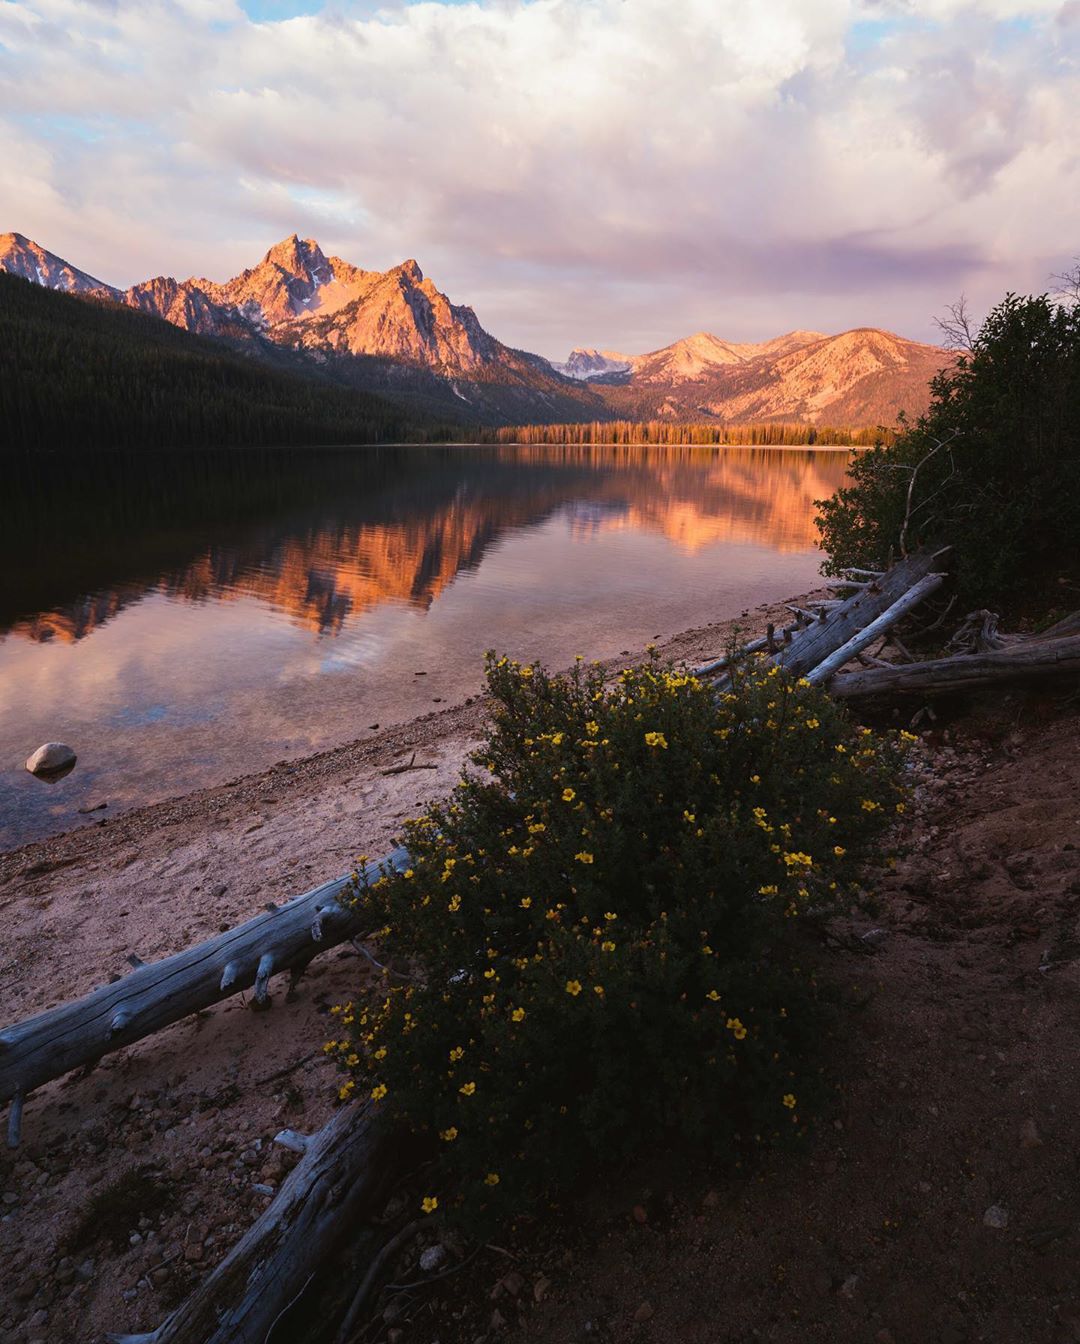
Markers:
<point>1004,489</point>
<point>596,940</point>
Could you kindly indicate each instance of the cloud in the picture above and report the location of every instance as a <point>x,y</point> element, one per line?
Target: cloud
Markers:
<point>609,172</point>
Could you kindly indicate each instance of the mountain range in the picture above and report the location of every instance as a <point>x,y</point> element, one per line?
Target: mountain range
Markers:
<point>396,334</point>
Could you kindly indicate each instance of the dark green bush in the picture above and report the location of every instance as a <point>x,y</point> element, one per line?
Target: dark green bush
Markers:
<point>597,941</point>
<point>1004,486</point>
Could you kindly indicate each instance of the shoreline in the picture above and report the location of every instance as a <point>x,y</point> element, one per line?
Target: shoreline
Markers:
<point>148,883</point>
<point>965,986</point>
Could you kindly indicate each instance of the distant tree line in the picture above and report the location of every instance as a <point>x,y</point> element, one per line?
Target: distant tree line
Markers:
<point>79,373</point>
<point>661,432</point>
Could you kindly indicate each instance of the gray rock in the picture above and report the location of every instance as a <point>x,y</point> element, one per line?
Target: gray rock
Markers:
<point>432,1258</point>
<point>995,1216</point>
<point>50,759</point>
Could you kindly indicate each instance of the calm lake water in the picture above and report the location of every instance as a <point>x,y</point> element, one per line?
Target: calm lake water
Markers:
<point>183,620</point>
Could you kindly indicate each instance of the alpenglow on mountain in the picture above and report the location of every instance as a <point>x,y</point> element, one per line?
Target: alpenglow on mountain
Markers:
<point>394,332</point>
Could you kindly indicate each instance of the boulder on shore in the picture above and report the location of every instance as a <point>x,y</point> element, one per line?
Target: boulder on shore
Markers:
<point>51,758</point>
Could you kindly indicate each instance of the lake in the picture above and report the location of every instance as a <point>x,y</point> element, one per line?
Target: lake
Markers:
<point>181,620</point>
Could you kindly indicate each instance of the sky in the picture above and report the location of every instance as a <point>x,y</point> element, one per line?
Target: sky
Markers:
<point>611,173</point>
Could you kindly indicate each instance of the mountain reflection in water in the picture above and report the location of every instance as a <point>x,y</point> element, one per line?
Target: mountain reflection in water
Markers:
<point>204,614</point>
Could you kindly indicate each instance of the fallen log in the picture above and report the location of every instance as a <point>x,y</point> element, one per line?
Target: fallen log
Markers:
<point>155,995</point>
<point>822,671</point>
<point>340,1181</point>
<point>1029,661</point>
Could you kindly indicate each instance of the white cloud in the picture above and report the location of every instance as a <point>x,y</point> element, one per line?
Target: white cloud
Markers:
<point>616,172</point>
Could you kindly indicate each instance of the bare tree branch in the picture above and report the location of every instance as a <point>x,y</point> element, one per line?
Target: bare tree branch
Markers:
<point>1068,283</point>
<point>957,326</point>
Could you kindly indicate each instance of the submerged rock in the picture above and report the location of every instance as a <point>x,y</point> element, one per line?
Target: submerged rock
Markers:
<point>52,759</point>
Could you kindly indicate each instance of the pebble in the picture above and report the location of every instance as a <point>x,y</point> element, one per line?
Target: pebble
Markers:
<point>645,1312</point>
<point>995,1216</point>
<point>432,1258</point>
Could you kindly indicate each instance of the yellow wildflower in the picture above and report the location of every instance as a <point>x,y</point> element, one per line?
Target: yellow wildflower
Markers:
<point>429,1204</point>
<point>377,1093</point>
<point>449,1135</point>
<point>517,1015</point>
<point>568,795</point>
<point>607,946</point>
<point>467,1089</point>
<point>573,987</point>
<point>584,857</point>
<point>492,1178</point>
<point>789,1101</point>
<point>656,740</point>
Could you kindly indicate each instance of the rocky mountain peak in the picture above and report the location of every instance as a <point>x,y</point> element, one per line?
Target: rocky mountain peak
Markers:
<point>409,271</point>
<point>299,257</point>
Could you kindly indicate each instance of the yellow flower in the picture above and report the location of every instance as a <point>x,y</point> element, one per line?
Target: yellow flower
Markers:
<point>839,851</point>
<point>656,740</point>
<point>525,673</point>
<point>449,1135</point>
<point>610,914</point>
<point>429,1204</point>
<point>789,1101</point>
<point>380,1053</point>
<point>456,1054</point>
<point>736,1028</point>
<point>526,901</point>
<point>598,990</point>
<point>467,1089</point>
<point>454,905</point>
<point>607,946</point>
<point>537,827</point>
<point>592,728</point>
<point>755,779</point>
<point>712,994</point>
<point>900,807</point>
<point>868,805</point>
<point>489,974</point>
<point>584,857</point>
<point>812,723</point>
<point>345,1089</point>
<point>492,1178</point>
<point>408,873</point>
<point>798,860</point>
<point>377,1093</point>
<point>517,1015</point>
<point>689,818</point>
<point>568,795</point>
<point>573,987</point>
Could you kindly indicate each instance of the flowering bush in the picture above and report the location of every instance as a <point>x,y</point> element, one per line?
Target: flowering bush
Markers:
<point>596,940</point>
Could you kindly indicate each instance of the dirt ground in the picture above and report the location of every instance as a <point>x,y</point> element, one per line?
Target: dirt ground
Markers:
<point>936,1204</point>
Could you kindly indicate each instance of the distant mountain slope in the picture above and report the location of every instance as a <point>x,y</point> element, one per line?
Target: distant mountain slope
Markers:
<point>861,377</point>
<point>393,332</point>
<point>20,256</point>
<point>79,372</point>
<point>585,363</point>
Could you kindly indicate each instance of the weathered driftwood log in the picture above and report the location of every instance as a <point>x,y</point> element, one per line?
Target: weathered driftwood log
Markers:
<point>155,995</point>
<point>841,625</point>
<point>1031,660</point>
<point>812,641</point>
<point>821,672</point>
<point>340,1181</point>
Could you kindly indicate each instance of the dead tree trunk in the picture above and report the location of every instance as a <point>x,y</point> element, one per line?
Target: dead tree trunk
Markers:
<point>339,1183</point>
<point>158,994</point>
<point>1031,660</point>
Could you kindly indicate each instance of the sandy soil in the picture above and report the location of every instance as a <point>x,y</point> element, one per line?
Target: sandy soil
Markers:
<point>194,1108</point>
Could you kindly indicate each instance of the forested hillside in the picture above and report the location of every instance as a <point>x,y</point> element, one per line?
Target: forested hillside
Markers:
<point>81,373</point>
